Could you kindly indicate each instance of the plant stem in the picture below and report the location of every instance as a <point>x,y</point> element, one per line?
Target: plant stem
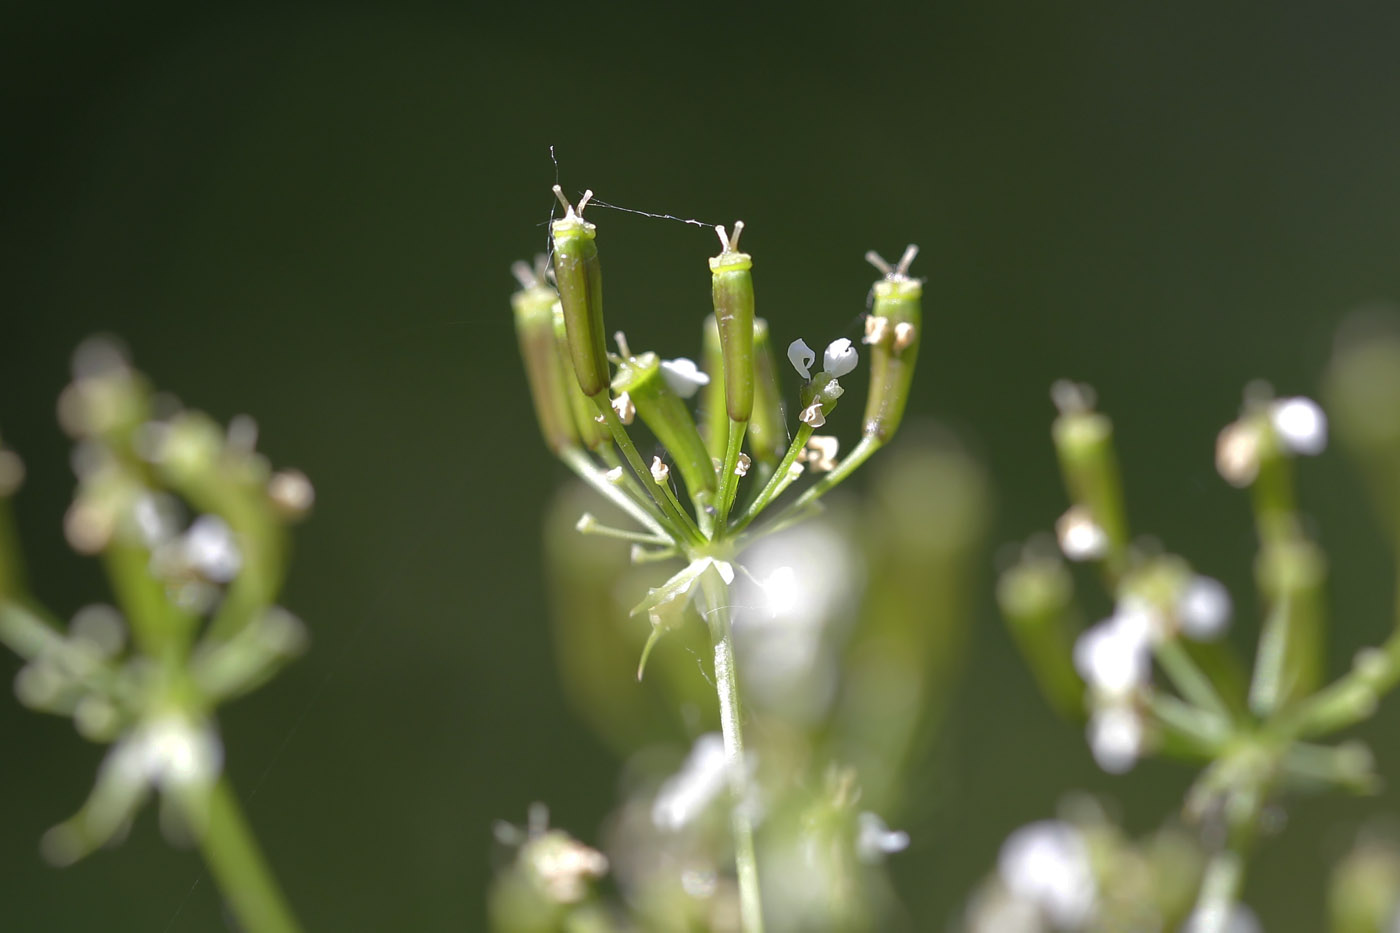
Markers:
<point>731,716</point>
<point>778,481</point>
<point>729,479</point>
<point>238,866</point>
<point>578,461</point>
<point>1195,687</point>
<point>684,525</point>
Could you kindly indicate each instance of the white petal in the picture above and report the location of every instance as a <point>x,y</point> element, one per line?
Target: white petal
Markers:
<point>801,357</point>
<point>209,547</point>
<point>1115,738</point>
<point>875,840</point>
<point>683,376</point>
<point>1204,608</point>
<point>1047,863</point>
<point>1300,424</point>
<point>840,357</point>
<point>1112,657</point>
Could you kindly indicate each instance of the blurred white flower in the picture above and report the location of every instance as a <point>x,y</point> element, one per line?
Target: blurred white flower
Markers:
<point>209,548</point>
<point>1080,537</point>
<point>875,840</point>
<point>1301,425</point>
<point>1115,737</point>
<point>1114,657</point>
<point>1047,863</point>
<point>1204,608</point>
<point>683,376</point>
<point>686,794</point>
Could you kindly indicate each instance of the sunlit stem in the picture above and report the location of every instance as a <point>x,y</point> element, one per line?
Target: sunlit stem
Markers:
<point>588,525</point>
<point>779,481</point>
<point>729,478</point>
<point>578,461</point>
<point>238,866</point>
<point>683,525</point>
<point>731,716</point>
<point>858,455</point>
<point>1205,732</point>
<point>1189,679</point>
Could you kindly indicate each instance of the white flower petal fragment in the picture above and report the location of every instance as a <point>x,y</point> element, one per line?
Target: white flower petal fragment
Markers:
<point>683,376</point>
<point>840,357</point>
<point>1301,425</point>
<point>801,357</point>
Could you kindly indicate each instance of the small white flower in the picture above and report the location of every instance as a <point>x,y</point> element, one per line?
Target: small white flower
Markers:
<point>683,376</point>
<point>876,327</point>
<point>801,357</point>
<point>1115,737</point>
<point>700,780</point>
<point>1081,538</point>
<point>904,333</point>
<point>614,475</point>
<point>209,548</point>
<point>813,414</point>
<point>1204,608</point>
<point>626,411</point>
<point>1301,425</point>
<point>1114,656</point>
<point>168,752</point>
<point>659,470</point>
<point>1047,863</point>
<point>875,840</point>
<point>741,467</point>
<point>840,357</point>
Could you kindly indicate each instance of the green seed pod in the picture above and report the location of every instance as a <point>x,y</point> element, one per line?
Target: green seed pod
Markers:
<point>712,410</point>
<point>579,276</point>
<point>732,292</point>
<point>767,434</point>
<point>585,414</point>
<point>1036,597</point>
<point>534,328</point>
<point>892,330</point>
<point>665,414</point>
<point>1084,442</point>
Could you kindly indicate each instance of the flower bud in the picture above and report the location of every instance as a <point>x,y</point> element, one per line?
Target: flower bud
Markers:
<point>534,328</point>
<point>894,346</point>
<point>732,292</point>
<point>579,276</point>
<point>641,378</point>
<point>1084,443</point>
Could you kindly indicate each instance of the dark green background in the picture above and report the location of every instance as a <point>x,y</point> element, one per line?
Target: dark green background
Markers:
<point>308,214</point>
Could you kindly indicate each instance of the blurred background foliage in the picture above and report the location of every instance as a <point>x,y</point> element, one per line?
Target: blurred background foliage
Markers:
<point>307,213</point>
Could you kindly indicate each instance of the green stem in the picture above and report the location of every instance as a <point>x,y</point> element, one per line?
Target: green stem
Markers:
<point>684,525</point>
<point>1193,684</point>
<point>729,479</point>
<point>778,481</point>
<point>578,461</point>
<point>238,866</point>
<point>1224,874</point>
<point>858,455</point>
<point>730,716</point>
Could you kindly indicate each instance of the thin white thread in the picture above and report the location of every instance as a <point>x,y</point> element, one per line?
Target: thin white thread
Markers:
<point>627,210</point>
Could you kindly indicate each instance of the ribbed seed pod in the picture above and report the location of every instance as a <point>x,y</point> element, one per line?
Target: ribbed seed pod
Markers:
<point>732,292</point>
<point>893,331</point>
<point>549,383</point>
<point>579,276</point>
<point>712,410</point>
<point>666,415</point>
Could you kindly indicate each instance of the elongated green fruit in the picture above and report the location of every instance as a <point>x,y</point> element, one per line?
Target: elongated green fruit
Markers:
<point>893,331</point>
<point>579,277</point>
<point>767,435</point>
<point>585,414</point>
<point>666,415</point>
<point>549,383</point>
<point>732,291</point>
<point>712,410</point>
